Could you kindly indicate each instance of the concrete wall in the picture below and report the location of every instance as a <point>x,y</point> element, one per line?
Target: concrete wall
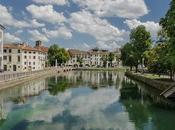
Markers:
<point>160,85</point>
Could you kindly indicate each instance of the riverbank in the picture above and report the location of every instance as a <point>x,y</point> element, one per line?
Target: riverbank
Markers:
<point>102,69</point>
<point>25,77</point>
<point>150,80</point>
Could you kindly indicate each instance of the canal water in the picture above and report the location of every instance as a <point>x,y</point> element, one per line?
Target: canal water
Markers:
<point>85,101</point>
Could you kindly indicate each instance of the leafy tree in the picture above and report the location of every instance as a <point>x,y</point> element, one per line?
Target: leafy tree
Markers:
<point>111,57</point>
<point>80,60</point>
<point>104,59</point>
<point>59,54</point>
<point>141,42</point>
<point>127,56</point>
<point>168,25</point>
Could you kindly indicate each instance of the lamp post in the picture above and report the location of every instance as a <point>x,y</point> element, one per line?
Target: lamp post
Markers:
<point>2,28</point>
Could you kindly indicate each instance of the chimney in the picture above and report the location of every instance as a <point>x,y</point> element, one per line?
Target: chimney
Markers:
<point>39,43</point>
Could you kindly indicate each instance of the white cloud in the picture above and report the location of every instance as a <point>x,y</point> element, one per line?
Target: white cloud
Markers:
<point>107,36</point>
<point>7,19</point>
<point>61,32</point>
<point>36,35</point>
<point>46,13</point>
<point>53,2</point>
<point>151,26</point>
<point>36,24</point>
<point>120,8</point>
<point>9,38</point>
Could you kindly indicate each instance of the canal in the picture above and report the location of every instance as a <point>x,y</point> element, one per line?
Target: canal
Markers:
<point>88,100</point>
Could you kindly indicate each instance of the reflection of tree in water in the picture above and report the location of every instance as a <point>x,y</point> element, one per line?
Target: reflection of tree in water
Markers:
<point>18,100</point>
<point>58,84</point>
<point>131,99</point>
<point>110,79</point>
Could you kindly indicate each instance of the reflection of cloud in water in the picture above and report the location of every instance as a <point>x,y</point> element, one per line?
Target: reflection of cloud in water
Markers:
<point>89,107</point>
<point>98,100</point>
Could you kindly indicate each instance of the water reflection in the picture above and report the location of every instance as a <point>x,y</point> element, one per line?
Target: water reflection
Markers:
<point>84,101</point>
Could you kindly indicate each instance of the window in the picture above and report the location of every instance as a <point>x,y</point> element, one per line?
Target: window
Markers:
<point>25,63</point>
<point>5,57</point>
<point>19,51</point>
<point>29,57</point>
<point>33,63</point>
<point>10,58</point>
<point>25,57</point>
<point>34,52</point>
<point>25,52</point>
<point>10,50</point>
<point>29,52</point>
<point>29,63</point>
<point>5,50</point>
<point>18,66</point>
<point>34,57</point>
<point>19,59</point>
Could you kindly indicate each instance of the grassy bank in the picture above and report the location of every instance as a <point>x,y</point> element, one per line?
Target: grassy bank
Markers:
<point>152,80</point>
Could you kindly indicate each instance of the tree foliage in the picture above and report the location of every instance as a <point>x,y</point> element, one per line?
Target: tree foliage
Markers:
<point>168,25</point>
<point>133,52</point>
<point>57,53</point>
<point>111,57</point>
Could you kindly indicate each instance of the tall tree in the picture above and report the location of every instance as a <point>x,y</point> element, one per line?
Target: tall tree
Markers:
<point>168,25</point>
<point>128,56</point>
<point>141,42</point>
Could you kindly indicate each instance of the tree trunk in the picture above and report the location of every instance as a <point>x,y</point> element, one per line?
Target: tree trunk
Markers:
<point>171,74</point>
<point>142,65</point>
<point>130,68</point>
<point>136,68</point>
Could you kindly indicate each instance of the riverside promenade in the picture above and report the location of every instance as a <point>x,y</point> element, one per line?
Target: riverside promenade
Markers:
<point>8,79</point>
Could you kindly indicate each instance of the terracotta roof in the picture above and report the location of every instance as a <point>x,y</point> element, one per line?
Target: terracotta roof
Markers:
<point>42,48</point>
<point>77,52</point>
<point>24,47</point>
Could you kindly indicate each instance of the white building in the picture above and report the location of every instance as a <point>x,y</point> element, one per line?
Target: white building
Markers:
<point>1,46</point>
<point>91,58</point>
<point>21,57</point>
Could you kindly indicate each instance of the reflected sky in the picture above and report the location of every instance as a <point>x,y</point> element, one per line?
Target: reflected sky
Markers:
<point>82,101</point>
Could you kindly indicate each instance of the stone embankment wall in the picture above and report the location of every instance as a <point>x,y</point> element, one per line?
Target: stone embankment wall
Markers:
<point>160,85</point>
<point>12,79</point>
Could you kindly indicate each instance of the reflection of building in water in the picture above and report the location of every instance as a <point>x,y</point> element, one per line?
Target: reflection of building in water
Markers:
<point>20,94</point>
<point>2,110</point>
<point>34,88</point>
<point>104,78</point>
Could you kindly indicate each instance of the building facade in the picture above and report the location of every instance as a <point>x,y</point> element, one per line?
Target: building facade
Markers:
<point>21,57</point>
<point>91,58</point>
<point>1,46</point>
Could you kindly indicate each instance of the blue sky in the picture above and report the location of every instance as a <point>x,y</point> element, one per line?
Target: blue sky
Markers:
<point>81,24</point>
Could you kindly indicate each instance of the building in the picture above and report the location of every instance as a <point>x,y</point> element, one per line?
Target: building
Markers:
<point>21,57</point>
<point>1,46</point>
<point>91,58</point>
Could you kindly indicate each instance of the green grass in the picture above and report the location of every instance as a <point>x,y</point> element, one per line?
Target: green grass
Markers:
<point>154,76</point>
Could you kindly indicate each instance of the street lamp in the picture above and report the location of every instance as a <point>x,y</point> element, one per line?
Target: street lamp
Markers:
<point>2,28</point>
